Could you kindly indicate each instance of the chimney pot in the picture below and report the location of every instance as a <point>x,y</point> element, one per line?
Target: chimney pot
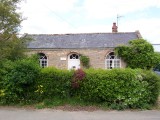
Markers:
<point>114,28</point>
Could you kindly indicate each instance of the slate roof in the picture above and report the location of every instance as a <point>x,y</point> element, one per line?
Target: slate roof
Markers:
<point>81,40</point>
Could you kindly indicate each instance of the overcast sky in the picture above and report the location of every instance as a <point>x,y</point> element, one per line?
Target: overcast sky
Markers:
<point>92,16</point>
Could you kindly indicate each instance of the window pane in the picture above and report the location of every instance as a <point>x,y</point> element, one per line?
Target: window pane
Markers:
<point>112,61</point>
<point>74,56</point>
<point>42,60</point>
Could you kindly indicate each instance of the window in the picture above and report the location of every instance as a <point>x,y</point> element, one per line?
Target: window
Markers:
<point>43,60</point>
<point>112,61</point>
<point>74,56</point>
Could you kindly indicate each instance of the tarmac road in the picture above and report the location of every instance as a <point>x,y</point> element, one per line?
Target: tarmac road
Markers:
<point>51,114</point>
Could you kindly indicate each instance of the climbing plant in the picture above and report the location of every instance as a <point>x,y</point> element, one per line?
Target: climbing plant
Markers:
<point>139,54</point>
<point>85,61</point>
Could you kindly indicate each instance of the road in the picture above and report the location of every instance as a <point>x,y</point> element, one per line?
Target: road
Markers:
<point>51,114</point>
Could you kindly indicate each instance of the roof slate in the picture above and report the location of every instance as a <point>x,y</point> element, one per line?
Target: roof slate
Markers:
<point>82,40</point>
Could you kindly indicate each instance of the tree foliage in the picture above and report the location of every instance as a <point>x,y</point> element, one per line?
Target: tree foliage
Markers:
<point>11,46</point>
<point>12,49</point>
<point>139,54</point>
<point>9,19</point>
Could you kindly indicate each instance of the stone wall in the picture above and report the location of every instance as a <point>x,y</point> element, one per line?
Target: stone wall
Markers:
<point>59,57</point>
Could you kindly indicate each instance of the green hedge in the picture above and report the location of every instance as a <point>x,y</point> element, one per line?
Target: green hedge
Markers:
<point>19,81</point>
<point>23,81</point>
<point>54,83</point>
<point>153,87</point>
<point>127,88</point>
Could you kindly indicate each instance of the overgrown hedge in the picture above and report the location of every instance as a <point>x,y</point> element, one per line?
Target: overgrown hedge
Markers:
<point>24,81</point>
<point>125,88</point>
<point>153,87</point>
<point>54,83</point>
<point>18,81</point>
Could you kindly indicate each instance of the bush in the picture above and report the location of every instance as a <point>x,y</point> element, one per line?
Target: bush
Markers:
<point>54,83</point>
<point>19,80</point>
<point>77,78</point>
<point>24,81</point>
<point>5,68</point>
<point>157,67</point>
<point>126,88</point>
<point>153,87</point>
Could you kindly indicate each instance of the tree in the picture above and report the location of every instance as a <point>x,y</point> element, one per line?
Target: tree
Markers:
<point>9,19</point>
<point>11,46</point>
<point>139,54</point>
<point>12,49</point>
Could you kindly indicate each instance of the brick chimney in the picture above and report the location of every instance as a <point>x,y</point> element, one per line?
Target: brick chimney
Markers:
<point>114,28</point>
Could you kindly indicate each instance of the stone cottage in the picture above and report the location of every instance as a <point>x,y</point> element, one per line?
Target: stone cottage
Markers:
<point>64,50</point>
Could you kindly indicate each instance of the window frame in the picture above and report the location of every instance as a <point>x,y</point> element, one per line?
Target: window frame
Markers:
<point>112,61</point>
<point>73,56</point>
<point>43,60</point>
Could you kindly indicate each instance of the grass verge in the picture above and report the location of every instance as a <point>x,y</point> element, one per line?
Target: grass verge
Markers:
<point>72,104</point>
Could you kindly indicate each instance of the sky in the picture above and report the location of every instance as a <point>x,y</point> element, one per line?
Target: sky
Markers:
<point>92,16</point>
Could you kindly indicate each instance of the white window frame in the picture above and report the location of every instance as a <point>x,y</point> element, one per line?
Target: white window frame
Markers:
<point>112,61</point>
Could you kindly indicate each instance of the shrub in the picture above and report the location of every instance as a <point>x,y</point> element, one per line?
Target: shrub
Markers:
<point>153,87</point>
<point>5,68</point>
<point>157,67</point>
<point>77,78</point>
<point>54,83</point>
<point>25,81</point>
<point>19,81</point>
<point>125,88</point>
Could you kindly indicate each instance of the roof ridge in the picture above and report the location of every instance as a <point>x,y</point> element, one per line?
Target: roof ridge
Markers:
<point>82,33</point>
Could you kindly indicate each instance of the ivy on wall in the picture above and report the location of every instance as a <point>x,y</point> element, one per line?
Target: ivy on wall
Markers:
<point>139,54</point>
<point>85,61</point>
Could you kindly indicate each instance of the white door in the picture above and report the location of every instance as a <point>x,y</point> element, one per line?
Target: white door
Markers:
<point>73,61</point>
